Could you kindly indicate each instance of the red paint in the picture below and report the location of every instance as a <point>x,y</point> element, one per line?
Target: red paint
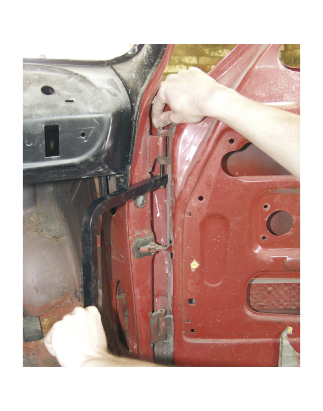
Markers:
<point>220,222</point>
<point>131,222</point>
<point>229,225</point>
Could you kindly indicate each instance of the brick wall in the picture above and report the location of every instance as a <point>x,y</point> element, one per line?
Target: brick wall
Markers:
<point>203,56</point>
<point>207,56</point>
<point>290,54</point>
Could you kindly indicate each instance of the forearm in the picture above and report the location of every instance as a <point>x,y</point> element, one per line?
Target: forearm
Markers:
<point>274,131</point>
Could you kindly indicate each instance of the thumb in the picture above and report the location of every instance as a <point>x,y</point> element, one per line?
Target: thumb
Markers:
<point>163,119</point>
<point>48,343</point>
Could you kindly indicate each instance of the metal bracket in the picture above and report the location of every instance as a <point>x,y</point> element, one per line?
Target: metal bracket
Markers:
<point>139,243</point>
<point>166,161</point>
<point>152,248</point>
<point>288,357</point>
<point>161,326</point>
<point>32,330</point>
<point>89,230</point>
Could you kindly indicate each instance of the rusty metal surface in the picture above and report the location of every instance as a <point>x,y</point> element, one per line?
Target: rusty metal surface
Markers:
<point>51,264</point>
<point>52,284</point>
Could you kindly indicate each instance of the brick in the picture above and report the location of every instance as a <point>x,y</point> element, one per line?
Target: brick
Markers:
<point>229,46</point>
<point>184,60</point>
<point>212,46</point>
<point>205,67</point>
<point>297,61</point>
<point>209,60</point>
<point>292,53</point>
<point>219,53</point>
<point>288,62</point>
<point>179,50</point>
<point>202,67</point>
<point>175,68</point>
<point>194,51</point>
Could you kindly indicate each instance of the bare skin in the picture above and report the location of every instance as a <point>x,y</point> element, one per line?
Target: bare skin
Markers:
<point>193,95</point>
<point>79,339</point>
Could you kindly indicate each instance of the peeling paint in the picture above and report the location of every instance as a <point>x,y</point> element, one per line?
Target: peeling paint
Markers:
<point>194,265</point>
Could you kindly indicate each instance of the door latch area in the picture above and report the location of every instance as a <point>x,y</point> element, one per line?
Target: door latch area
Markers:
<point>152,248</point>
<point>161,326</point>
<point>145,246</point>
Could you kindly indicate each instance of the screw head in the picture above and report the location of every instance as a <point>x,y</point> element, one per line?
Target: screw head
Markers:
<point>140,201</point>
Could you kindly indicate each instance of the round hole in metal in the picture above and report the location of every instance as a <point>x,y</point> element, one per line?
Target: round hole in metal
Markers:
<point>47,90</point>
<point>279,223</point>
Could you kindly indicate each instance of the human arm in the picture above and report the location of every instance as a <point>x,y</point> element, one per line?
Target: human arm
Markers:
<point>78,340</point>
<point>193,95</point>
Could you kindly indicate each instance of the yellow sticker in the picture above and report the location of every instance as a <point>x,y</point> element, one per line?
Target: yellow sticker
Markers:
<point>194,265</point>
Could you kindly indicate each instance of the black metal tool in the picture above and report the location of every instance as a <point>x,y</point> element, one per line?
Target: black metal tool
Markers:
<point>89,230</point>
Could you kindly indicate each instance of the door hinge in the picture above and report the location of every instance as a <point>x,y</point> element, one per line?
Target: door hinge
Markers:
<point>161,326</point>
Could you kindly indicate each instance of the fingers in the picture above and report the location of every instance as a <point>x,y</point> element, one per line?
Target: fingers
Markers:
<point>93,310</point>
<point>164,119</point>
<point>76,316</point>
<point>48,341</point>
<point>159,118</point>
<point>157,110</point>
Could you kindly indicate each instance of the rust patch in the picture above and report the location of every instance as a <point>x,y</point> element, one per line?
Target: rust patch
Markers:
<point>47,323</point>
<point>42,224</point>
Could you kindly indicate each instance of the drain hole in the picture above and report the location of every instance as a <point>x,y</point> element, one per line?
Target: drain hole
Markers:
<point>279,223</point>
<point>231,141</point>
<point>200,198</point>
<point>47,90</point>
<point>192,330</point>
<point>192,301</point>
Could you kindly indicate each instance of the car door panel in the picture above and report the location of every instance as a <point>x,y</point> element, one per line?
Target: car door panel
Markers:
<point>232,249</point>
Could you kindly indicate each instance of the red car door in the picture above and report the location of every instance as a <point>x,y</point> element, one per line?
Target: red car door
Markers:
<point>227,285</point>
